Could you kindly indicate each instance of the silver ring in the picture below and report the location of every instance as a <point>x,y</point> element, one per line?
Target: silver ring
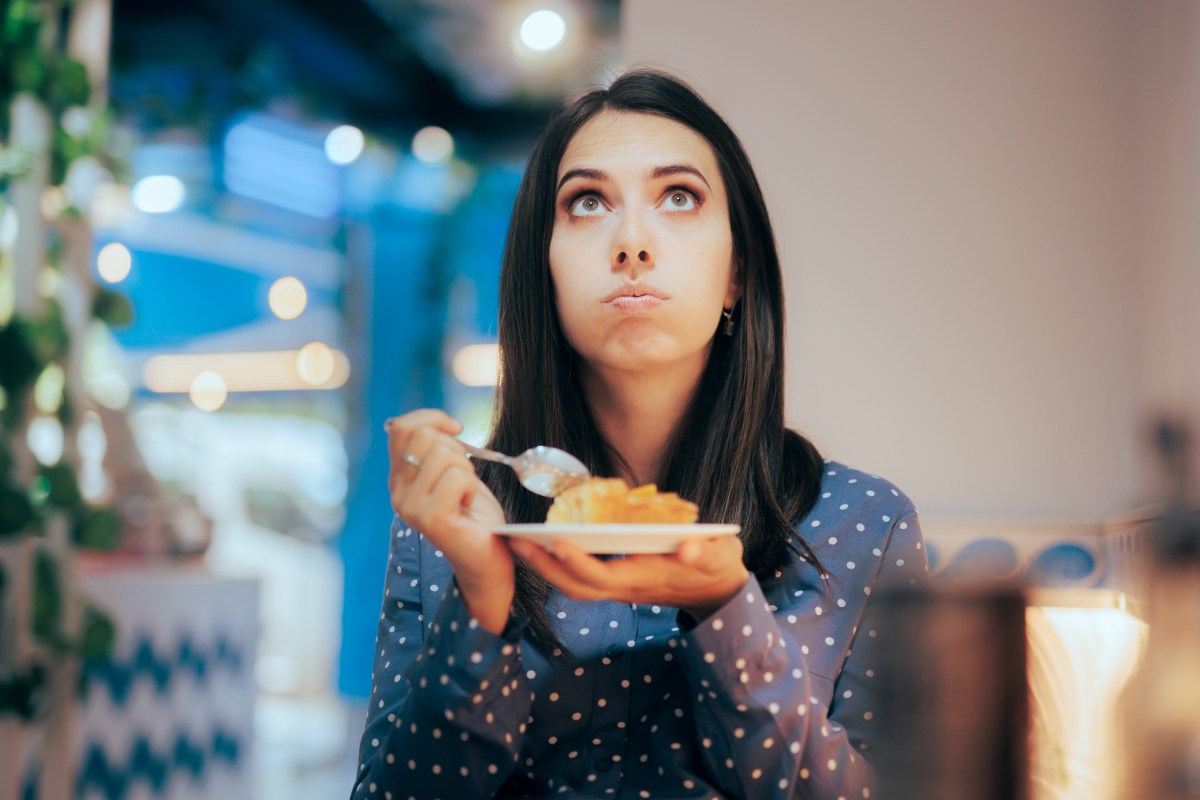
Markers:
<point>410,458</point>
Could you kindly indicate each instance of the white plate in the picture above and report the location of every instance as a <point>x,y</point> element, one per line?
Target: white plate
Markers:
<point>629,538</point>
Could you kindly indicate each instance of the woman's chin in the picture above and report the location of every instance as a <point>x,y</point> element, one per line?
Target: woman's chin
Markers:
<point>645,354</point>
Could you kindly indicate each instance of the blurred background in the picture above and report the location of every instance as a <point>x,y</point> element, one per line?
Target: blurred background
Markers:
<point>326,185</point>
<point>986,216</point>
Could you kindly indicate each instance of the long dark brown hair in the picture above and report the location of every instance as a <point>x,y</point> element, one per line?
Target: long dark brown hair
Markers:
<point>731,453</point>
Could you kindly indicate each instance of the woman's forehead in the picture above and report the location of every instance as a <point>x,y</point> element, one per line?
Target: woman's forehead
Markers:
<point>613,139</point>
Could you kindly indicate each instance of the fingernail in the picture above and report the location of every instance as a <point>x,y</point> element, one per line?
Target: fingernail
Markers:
<point>387,423</point>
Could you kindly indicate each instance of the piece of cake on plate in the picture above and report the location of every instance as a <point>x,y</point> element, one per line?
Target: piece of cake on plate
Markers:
<point>610,500</point>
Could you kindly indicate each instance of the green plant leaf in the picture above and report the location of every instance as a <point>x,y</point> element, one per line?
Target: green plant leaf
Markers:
<point>66,411</point>
<point>24,694</point>
<point>97,529</point>
<point>29,72</point>
<point>64,488</point>
<point>6,462</point>
<point>71,86</point>
<point>16,512</point>
<point>19,364</point>
<point>47,599</point>
<point>48,334</point>
<point>39,491</point>
<point>98,636</point>
<point>112,308</point>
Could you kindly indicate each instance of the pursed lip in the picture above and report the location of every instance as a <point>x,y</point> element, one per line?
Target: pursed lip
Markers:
<point>635,290</point>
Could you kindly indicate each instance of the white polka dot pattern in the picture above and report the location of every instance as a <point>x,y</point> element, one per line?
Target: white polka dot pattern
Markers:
<point>765,698</point>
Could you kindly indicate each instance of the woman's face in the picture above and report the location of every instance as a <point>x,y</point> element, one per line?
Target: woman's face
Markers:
<point>641,253</point>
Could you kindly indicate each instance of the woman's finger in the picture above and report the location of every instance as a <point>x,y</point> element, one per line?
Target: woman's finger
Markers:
<point>404,429</point>
<point>686,573</point>
<point>408,454</point>
<point>588,569</point>
<point>690,551</point>
<point>554,571</point>
<point>710,556</point>
<point>424,498</point>
<point>451,493</point>
<point>405,424</point>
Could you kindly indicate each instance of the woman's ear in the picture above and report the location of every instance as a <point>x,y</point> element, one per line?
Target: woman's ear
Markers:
<point>734,293</point>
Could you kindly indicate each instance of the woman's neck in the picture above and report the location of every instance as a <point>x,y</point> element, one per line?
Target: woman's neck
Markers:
<point>638,412</point>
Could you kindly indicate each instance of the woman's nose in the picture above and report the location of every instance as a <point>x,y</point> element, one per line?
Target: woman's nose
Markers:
<point>642,256</point>
<point>633,251</point>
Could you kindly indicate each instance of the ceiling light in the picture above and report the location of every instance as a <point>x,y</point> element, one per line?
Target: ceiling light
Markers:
<point>543,30</point>
<point>266,371</point>
<point>344,144</point>
<point>158,194</point>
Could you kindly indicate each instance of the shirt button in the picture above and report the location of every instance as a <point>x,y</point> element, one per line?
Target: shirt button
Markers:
<point>604,764</point>
<point>615,652</point>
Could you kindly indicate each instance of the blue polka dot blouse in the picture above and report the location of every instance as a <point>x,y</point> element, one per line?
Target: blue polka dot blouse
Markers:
<point>767,698</point>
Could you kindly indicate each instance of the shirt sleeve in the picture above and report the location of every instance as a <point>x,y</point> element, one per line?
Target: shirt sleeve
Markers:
<point>449,705</point>
<point>763,731</point>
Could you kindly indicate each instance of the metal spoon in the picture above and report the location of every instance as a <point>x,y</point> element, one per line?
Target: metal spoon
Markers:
<point>542,470</point>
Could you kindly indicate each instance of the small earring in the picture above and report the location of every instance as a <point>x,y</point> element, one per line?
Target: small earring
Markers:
<point>727,327</point>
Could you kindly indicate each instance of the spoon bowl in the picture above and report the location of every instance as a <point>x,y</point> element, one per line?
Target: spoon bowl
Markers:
<point>542,470</point>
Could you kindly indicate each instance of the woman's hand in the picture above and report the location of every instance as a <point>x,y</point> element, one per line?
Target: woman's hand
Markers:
<point>441,496</point>
<point>700,577</point>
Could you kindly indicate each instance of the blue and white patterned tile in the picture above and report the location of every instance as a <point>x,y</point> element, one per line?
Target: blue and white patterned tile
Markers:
<point>1031,554</point>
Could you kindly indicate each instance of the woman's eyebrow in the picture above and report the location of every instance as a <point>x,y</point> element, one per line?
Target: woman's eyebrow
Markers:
<point>677,169</point>
<point>654,174</point>
<point>590,174</point>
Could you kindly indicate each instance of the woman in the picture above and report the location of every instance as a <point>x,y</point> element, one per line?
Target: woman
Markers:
<point>641,326</point>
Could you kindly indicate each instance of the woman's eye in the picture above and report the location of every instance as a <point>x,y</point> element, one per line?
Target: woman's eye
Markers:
<point>586,206</point>
<point>679,200</point>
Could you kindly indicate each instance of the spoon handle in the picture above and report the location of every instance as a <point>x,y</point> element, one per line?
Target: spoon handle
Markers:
<point>486,455</point>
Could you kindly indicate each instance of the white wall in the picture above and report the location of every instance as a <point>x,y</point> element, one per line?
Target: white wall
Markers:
<point>955,191</point>
<point>1168,261</point>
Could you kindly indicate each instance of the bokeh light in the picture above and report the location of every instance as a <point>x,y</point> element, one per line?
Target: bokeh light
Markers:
<point>158,194</point>
<point>49,281</point>
<point>287,298</point>
<point>344,144</point>
<point>208,391</point>
<point>433,145</point>
<point>45,439</point>
<point>109,388</point>
<point>112,205</point>
<point>315,363</point>
<point>48,389</point>
<point>54,202</point>
<point>543,30</point>
<point>114,262</point>
<point>477,365</point>
<point>8,227</point>
<point>93,444</point>
<point>77,121</point>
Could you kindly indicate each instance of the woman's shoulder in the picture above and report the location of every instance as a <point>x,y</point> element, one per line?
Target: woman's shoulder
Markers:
<point>861,500</point>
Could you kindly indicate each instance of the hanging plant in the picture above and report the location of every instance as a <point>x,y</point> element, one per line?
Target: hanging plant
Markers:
<point>47,497</point>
